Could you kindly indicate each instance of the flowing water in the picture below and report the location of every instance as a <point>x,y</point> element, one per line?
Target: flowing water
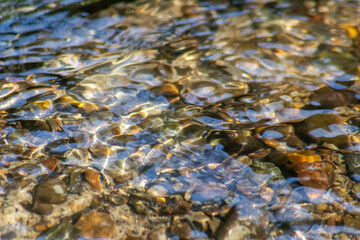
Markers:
<point>180,119</point>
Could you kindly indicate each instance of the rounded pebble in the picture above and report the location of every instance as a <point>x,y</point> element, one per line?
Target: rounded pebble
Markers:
<point>52,191</point>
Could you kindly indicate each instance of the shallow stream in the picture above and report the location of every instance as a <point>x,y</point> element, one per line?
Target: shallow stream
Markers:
<point>180,119</point>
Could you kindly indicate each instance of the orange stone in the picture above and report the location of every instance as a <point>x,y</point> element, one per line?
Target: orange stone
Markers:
<point>40,227</point>
<point>94,180</point>
<point>97,225</point>
<point>51,163</point>
<point>311,169</point>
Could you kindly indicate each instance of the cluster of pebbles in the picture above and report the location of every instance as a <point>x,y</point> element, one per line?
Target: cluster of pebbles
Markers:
<point>180,120</point>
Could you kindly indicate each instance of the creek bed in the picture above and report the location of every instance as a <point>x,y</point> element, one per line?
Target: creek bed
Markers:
<point>179,119</point>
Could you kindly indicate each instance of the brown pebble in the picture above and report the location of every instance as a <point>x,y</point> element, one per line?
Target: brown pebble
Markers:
<point>42,208</point>
<point>158,234</point>
<point>94,180</point>
<point>329,98</point>
<point>331,219</point>
<point>351,221</point>
<point>167,90</point>
<point>181,229</point>
<point>321,207</point>
<point>117,199</point>
<point>236,227</point>
<point>123,177</point>
<point>51,191</point>
<point>51,163</point>
<point>132,237</point>
<point>214,224</point>
<point>343,236</point>
<point>21,183</point>
<point>40,227</point>
<point>96,225</point>
<point>77,206</point>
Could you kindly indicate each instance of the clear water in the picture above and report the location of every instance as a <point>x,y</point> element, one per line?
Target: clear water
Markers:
<point>220,102</point>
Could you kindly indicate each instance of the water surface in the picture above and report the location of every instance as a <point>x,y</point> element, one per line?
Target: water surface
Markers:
<point>219,118</point>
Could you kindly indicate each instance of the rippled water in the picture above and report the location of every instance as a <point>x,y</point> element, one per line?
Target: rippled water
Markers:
<point>207,119</point>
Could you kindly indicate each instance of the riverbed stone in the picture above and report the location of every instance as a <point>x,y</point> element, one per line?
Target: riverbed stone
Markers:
<point>96,225</point>
<point>51,190</point>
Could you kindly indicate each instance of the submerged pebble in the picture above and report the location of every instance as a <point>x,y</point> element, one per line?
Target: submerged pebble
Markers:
<point>327,128</point>
<point>93,179</point>
<point>64,230</point>
<point>96,225</point>
<point>237,228</point>
<point>51,190</point>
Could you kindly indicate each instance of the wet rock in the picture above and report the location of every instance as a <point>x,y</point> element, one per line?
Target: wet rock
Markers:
<point>235,141</point>
<point>353,161</point>
<point>213,117</point>
<point>211,209</point>
<point>140,205</point>
<point>121,178</point>
<point>58,147</point>
<point>72,104</point>
<point>96,225</point>
<point>51,163</point>
<point>97,201</point>
<point>117,199</point>
<point>181,229</point>
<point>214,224</point>
<point>26,170</point>
<point>158,191</point>
<point>64,230</point>
<point>168,90</point>
<point>311,169</point>
<point>145,204</point>
<point>329,98</point>
<point>191,130</point>
<point>79,203</point>
<point>294,214</point>
<point>280,133</point>
<point>158,234</point>
<point>41,207</point>
<point>259,155</point>
<point>266,173</point>
<point>76,155</point>
<point>40,227</point>
<point>356,190</point>
<point>135,237</point>
<point>75,181</point>
<point>326,128</point>
<point>236,227</point>
<point>51,190</point>
<point>199,219</point>
<point>93,179</point>
<point>351,221</point>
<point>172,205</point>
<point>277,132</point>
<point>294,142</point>
<point>279,157</point>
<point>8,235</point>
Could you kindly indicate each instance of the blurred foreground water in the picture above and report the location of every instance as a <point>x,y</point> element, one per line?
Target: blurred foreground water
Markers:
<point>180,119</point>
